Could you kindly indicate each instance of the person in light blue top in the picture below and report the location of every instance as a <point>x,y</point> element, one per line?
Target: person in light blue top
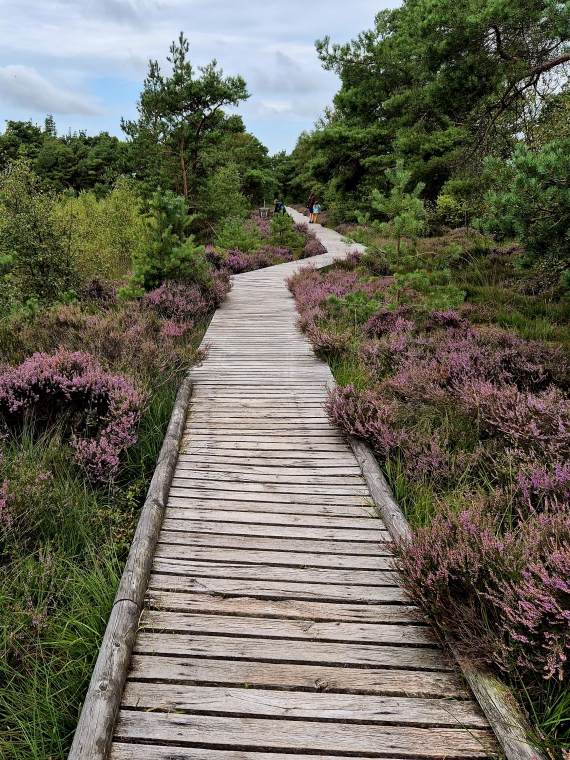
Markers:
<point>315,214</point>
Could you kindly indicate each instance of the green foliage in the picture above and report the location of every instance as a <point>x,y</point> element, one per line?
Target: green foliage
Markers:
<point>549,119</point>
<point>234,234</point>
<point>74,161</point>
<point>106,233</point>
<point>58,577</point>
<point>531,201</point>
<point>437,83</point>
<point>178,116</point>
<point>283,174</point>
<point>450,212</point>
<point>171,253</point>
<point>37,259</point>
<point>220,197</point>
<point>405,210</point>
<point>356,307</point>
<point>424,272</point>
<point>284,236</point>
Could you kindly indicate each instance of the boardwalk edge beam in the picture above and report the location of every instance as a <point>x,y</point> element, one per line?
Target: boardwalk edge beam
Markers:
<point>94,733</point>
<point>494,698</point>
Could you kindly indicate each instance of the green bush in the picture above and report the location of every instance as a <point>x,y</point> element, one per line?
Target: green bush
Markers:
<point>35,251</point>
<point>106,233</point>
<point>170,253</point>
<point>531,201</point>
<point>284,236</point>
<point>233,234</point>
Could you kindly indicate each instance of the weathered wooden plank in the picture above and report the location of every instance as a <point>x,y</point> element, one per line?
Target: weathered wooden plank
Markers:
<point>294,448</point>
<point>285,457</point>
<point>380,633</point>
<point>166,561</point>
<point>253,733</point>
<point>299,442</point>
<point>176,520</point>
<point>270,496</point>
<point>308,469</point>
<point>120,751</point>
<point>233,541</point>
<point>285,650</point>
<point>290,609</point>
<point>287,676</point>
<point>294,508</point>
<point>343,708</point>
<point>276,589</point>
<point>357,521</point>
<point>266,484</point>
<point>169,546</point>
<point>244,475</point>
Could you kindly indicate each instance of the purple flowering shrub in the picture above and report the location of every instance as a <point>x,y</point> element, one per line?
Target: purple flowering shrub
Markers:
<point>177,302</point>
<point>100,411</point>
<point>473,425</point>
<point>236,262</point>
<point>117,353</point>
<point>465,569</point>
<point>269,253</point>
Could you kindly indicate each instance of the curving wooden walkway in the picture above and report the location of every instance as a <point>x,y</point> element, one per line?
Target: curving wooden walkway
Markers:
<point>275,629</point>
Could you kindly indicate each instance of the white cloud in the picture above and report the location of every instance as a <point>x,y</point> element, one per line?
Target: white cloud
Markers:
<point>96,51</point>
<point>286,75</point>
<point>22,86</point>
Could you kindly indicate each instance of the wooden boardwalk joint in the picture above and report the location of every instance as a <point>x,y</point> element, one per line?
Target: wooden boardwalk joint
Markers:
<point>274,627</point>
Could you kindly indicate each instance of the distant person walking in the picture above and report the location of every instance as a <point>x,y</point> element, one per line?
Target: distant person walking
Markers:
<point>310,205</point>
<point>315,213</point>
<point>280,207</point>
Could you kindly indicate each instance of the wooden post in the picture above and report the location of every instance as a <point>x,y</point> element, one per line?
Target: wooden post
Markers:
<point>494,697</point>
<point>94,731</point>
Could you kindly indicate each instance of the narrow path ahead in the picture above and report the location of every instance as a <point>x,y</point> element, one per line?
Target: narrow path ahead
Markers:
<point>275,629</point>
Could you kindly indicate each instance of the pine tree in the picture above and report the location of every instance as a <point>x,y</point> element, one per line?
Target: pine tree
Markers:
<point>171,253</point>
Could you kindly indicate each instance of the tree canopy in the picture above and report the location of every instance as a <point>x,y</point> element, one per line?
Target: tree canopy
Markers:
<point>439,83</point>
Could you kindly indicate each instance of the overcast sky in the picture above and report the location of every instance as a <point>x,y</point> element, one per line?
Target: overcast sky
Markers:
<point>84,60</point>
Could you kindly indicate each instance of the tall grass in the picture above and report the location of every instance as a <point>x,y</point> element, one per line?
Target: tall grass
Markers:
<point>57,582</point>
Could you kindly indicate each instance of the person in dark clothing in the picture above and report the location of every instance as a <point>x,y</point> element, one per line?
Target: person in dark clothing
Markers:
<point>280,207</point>
<point>311,203</point>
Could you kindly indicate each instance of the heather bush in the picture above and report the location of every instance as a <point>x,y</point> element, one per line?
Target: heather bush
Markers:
<point>510,588</point>
<point>471,422</point>
<point>244,246</point>
<point>389,320</point>
<point>236,262</point>
<point>73,479</point>
<point>98,412</point>
<point>177,302</point>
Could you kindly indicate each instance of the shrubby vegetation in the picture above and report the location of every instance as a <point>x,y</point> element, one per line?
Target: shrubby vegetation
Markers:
<point>106,290</point>
<point>469,413</point>
<point>446,154</point>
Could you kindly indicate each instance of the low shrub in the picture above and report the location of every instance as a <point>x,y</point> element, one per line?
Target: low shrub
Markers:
<point>96,411</point>
<point>509,588</point>
<point>471,422</point>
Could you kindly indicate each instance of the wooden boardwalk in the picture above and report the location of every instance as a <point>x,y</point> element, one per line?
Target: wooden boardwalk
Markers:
<point>275,628</point>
